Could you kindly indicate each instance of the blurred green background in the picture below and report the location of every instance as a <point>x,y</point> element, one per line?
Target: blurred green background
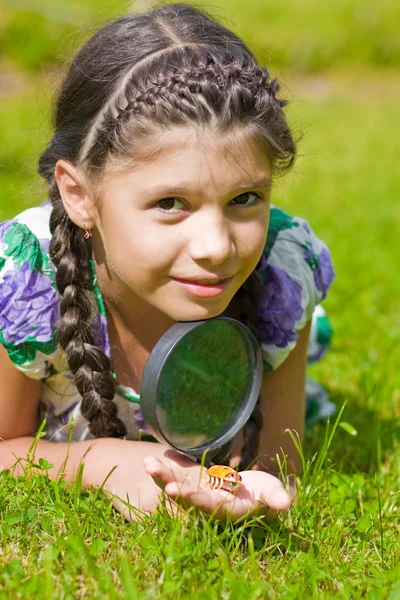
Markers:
<point>302,34</point>
<point>338,61</point>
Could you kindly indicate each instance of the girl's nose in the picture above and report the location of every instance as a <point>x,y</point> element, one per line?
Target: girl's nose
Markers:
<point>211,240</point>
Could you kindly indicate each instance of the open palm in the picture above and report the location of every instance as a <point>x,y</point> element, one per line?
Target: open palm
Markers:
<point>184,481</point>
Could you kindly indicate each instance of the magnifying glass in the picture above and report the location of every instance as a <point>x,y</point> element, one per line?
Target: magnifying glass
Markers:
<point>200,385</point>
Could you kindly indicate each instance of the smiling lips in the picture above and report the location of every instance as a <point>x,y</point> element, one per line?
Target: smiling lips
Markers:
<point>205,288</point>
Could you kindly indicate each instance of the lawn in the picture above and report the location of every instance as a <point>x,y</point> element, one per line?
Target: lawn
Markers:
<point>340,539</point>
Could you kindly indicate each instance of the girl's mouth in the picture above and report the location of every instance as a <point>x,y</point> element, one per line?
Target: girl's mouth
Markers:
<point>205,288</point>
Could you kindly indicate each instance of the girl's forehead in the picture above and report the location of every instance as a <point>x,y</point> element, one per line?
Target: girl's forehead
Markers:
<point>190,153</point>
<point>204,139</point>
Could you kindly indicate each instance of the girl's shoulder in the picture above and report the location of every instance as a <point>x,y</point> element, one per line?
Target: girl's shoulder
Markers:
<point>29,305</point>
<point>296,272</point>
<point>26,238</point>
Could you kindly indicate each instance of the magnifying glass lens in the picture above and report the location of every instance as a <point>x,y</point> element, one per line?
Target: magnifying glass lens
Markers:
<point>203,384</point>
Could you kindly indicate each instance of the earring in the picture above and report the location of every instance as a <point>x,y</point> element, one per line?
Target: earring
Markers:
<point>87,233</point>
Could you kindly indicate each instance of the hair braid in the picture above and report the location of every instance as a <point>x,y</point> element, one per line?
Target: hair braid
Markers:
<point>90,366</point>
<point>244,308</point>
<point>188,82</point>
<point>194,91</point>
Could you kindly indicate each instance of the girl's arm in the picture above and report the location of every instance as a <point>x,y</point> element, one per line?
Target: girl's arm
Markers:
<point>19,400</point>
<point>116,465</point>
<point>119,466</point>
<point>19,403</point>
<point>282,403</point>
<point>136,472</point>
<point>283,407</point>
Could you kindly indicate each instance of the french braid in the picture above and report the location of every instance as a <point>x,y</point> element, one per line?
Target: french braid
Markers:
<point>194,92</point>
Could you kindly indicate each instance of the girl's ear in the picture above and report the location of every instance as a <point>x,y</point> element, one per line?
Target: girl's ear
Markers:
<point>74,196</point>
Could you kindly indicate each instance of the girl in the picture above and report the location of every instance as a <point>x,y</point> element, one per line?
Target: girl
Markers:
<point>167,138</point>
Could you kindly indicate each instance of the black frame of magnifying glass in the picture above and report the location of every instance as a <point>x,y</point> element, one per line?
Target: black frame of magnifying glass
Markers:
<point>153,371</point>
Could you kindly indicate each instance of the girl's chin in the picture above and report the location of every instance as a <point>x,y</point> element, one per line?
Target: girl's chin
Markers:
<point>197,313</point>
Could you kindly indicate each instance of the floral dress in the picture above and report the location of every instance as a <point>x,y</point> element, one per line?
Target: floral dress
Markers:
<point>295,272</point>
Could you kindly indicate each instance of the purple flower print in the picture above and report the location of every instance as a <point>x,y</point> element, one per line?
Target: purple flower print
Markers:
<point>140,422</point>
<point>28,306</point>
<point>280,307</point>
<point>324,275</point>
<point>322,269</point>
<point>45,244</point>
<point>100,334</point>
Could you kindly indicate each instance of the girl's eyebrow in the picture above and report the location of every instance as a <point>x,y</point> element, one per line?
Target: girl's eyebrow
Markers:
<point>267,182</point>
<point>163,191</point>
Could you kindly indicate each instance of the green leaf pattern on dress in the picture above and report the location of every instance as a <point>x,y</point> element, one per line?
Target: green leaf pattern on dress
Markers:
<point>23,246</point>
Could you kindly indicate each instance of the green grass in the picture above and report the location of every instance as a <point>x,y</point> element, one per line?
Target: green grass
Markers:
<point>341,538</point>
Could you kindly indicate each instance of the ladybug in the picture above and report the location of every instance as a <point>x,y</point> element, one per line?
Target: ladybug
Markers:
<point>221,477</point>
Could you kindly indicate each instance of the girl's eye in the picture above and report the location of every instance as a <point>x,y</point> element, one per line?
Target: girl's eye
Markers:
<point>170,204</point>
<point>248,199</point>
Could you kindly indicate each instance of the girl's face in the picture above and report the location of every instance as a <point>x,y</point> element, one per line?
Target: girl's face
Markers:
<point>182,232</point>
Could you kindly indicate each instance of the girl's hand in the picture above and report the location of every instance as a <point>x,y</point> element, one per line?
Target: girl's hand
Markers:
<point>184,481</point>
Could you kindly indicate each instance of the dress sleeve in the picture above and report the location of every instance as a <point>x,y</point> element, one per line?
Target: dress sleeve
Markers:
<point>296,273</point>
<point>29,304</point>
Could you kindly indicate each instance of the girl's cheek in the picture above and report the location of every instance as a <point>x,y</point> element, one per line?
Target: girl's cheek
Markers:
<point>254,241</point>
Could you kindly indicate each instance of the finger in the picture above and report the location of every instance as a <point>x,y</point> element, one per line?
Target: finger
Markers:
<point>161,474</point>
<point>265,489</point>
<point>277,498</point>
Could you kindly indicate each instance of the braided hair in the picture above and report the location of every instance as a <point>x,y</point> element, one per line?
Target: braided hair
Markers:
<point>170,67</point>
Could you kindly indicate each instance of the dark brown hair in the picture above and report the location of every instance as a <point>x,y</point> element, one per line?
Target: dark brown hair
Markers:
<point>171,66</point>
